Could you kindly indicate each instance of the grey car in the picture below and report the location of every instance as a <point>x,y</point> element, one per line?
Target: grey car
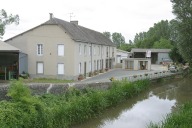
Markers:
<point>173,68</point>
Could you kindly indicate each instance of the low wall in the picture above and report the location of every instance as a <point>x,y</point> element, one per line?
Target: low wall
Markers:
<point>39,89</point>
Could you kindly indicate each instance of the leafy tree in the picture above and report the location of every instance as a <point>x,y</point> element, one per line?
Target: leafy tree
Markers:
<point>183,11</point>
<point>118,39</point>
<point>173,31</point>
<point>175,55</point>
<point>6,20</point>
<point>163,43</point>
<point>154,34</point>
<point>107,34</point>
<point>127,47</point>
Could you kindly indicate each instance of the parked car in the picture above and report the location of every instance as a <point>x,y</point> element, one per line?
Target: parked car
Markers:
<point>173,68</point>
<point>166,61</point>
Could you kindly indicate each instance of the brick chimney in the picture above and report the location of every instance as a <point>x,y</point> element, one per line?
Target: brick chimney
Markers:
<point>74,22</point>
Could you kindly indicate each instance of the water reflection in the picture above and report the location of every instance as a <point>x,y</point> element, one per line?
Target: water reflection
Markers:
<point>141,113</point>
<point>152,105</point>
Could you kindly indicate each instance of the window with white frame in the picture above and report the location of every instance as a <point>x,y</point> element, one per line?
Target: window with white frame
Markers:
<point>79,68</point>
<point>39,49</point>
<point>102,50</point>
<point>107,51</point>
<point>60,49</point>
<point>98,50</point>
<point>60,69</point>
<point>113,54</point>
<point>40,68</point>
<point>94,50</point>
<point>89,65</point>
<point>79,49</point>
<point>85,49</point>
<point>90,50</point>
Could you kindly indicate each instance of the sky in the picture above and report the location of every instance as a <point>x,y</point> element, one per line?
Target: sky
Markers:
<point>127,17</point>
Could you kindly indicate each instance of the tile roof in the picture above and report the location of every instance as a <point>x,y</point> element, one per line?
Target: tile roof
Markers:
<point>4,47</point>
<point>81,34</point>
<point>77,32</point>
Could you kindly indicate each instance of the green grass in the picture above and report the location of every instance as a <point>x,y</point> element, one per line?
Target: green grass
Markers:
<point>46,80</point>
<point>180,119</point>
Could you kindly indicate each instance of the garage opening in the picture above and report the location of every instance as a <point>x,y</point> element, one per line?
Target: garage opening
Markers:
<point>9,65</point>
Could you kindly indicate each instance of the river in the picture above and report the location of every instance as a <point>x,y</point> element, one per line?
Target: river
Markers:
<point>150,106</point>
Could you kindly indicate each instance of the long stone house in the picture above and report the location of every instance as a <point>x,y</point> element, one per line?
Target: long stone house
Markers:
<point>64,50</point>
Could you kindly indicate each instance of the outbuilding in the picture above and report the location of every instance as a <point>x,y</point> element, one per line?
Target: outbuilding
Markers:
<point>9,61</point>
<point>157,55</point>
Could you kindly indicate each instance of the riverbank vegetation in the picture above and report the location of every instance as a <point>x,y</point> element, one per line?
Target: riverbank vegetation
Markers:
<point>62,111</point>
<point>180,119</point>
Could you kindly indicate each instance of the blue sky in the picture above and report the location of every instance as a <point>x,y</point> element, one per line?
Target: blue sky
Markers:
<point>127,17</point>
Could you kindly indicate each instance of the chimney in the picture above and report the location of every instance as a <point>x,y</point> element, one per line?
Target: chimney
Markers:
<point>74,22</point>
<point>51,16</point>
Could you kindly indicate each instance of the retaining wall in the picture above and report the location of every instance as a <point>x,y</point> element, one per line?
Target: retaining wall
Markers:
<point>39,89</point>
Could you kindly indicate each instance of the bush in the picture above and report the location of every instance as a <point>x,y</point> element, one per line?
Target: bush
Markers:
<point>61,111</point>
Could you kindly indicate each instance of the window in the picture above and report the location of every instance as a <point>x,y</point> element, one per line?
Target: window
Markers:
<point>60,49</point>
<point>39,49</point>
<point>98,50</point>
<point>107,51</point>
<point>79,68</point>
<point>60,69</point>
<point>94,50</point>
<point>85,49</point>
<point>40,67</point>
<point>113,52</point>
<point>79,49</point>
<point>89,65</point>
<point>90,50</point>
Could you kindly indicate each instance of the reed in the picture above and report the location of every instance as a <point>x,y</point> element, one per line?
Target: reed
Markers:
<point>180,119</point>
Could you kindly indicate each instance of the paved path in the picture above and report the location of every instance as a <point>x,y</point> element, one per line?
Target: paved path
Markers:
<point>120,73</point>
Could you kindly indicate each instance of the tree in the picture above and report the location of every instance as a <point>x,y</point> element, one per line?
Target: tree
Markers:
<point>163,43</point>
<point>175,55</point>
<point>154,34</point>
<point>118,39</point>
<point>126,47</point>
<point>183,11</point>
<point>107,34</point>
<point>6,20</point>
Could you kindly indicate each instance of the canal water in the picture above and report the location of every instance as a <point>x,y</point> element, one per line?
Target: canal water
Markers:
<point>150,106</point>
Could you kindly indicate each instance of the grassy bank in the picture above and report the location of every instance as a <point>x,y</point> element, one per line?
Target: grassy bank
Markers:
<point>180,119</point>
<point>61,111</point>
<point>45,80</point>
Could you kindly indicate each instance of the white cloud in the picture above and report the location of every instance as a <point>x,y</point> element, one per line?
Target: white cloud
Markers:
<point>125,16</point>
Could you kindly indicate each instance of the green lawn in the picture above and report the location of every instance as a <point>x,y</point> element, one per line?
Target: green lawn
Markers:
<point>46,80</point>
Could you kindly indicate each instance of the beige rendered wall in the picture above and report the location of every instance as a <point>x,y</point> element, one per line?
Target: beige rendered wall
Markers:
<point>50,36</point>
<point>98,54</point>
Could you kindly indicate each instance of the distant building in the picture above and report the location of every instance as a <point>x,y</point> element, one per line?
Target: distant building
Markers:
<point>137,64</point>
<point>156,55</point>
<point>122,55</point>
